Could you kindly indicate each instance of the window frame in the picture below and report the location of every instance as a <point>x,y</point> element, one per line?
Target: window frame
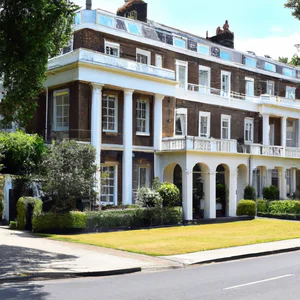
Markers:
<point>204,68</point>
<point>115,185</point>
<point>291,88</point>
<point>222,52</point>
<point>251,122</point>
<point>229,83</point>
<point>199,45</point>
<point>227,118</point>
<point>115,112</point>
<point>266,63</point>
<point>273,90</point>
<point>138,26</point>
<point>112,45</point>
<point>61,93</point>
<point>147,119</point>
<point>208,116</point>
<point>181,111</point>
<point>180,39</point>
<point>251,59</point>
<point>113,23</point>
<point>156,61</point>
<point>147,167</point>
<point>144,53</point>
<point>181,63</point>
<point>249,79</point>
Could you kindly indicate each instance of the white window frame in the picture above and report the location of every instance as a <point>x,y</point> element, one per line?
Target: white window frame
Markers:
<point>223,93</point>
<point>112,45</point>
<point>158,61</point>
<point>55,95</point>
<point>273,90</point>
<point>205,115</point>
<point>115,195</point>
<point>251,122</point>
<point>181,111</point>
<point>115,112</point>
<point>183,64</point>
<point>226,118</point>
<point>180,39</point>
<point>287,94</point>
<point>147,120</point>
<point>205,90</point>
<point>145,53</point>
<point>147,167</point>
<point>249,79</point>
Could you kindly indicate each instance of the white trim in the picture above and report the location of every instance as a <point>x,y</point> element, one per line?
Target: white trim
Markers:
<point>158,65</point>
<point>147,129</point>
<point>226,118</point>
<point>112,45</point>
<point>249,79</point>
<point>204,114</point>
<point>251,122</point>
<point>145,53</point>
<point>223,93</point>
<point>204,68</point>
<point>181,111</point>
<point>55,94</point>
<point>183,64</point>
<point>116,98</point>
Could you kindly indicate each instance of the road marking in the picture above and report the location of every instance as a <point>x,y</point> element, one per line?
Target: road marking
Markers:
<point>260,281</point>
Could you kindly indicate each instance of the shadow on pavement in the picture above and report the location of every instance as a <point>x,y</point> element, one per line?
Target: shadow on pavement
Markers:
<point>22,291</point>
<point>15,260</point>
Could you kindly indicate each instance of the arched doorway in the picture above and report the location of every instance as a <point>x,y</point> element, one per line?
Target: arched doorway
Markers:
<point>222,185</point>
<point>242,181</point>
<point>177,177</point>
<point>198,193</point>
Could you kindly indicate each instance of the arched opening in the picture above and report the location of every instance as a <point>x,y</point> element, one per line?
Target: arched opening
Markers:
<point>222,185</point>
<point>198,193</point>
<point>177,177</point>
<point>242,181</point>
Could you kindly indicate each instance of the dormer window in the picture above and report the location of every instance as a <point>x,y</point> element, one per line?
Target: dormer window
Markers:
<point>133,15</point>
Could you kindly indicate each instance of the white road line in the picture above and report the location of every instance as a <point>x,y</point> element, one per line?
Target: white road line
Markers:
<point>256,282</point>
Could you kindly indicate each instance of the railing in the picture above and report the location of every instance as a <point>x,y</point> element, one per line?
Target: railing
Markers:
<point>292,152</point>
<point>200,144</point>
<point>82,55</point>
<point>257,149</point>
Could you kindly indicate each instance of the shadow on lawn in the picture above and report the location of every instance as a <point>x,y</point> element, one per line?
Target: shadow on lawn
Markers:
<point>16,260</point>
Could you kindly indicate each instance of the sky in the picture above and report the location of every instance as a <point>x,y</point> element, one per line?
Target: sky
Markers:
<point>262,26</point>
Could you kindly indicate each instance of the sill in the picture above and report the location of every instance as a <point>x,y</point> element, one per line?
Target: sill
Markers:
<point>110,133</point>
<point>142,133</point>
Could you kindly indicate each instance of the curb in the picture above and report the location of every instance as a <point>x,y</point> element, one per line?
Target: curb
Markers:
<point>248,255</point>
<point>64,275</point>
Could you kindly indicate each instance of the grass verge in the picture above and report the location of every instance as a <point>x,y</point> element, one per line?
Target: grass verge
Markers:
<point>180,240</point>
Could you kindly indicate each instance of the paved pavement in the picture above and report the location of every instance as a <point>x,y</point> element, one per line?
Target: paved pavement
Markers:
<point>24,253</point>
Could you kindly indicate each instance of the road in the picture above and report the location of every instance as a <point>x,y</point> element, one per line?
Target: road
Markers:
<point>265,278</point>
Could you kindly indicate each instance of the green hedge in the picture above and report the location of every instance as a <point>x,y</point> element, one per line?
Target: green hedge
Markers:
<point>134,218</point>
<point>262,205</point>
<point>284,207</point>
<point>246,208</point>
<point>22,206</point>
<point>53,221</point>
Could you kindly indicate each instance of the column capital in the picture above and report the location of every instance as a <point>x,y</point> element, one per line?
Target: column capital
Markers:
<point>128,91</point>
<point>159,97</point>
<point>97,87</point>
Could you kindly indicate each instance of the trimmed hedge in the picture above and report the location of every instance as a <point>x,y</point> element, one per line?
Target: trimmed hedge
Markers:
<point>134,218</point>
<point>48,222</point>
<point>246,208</point>
<point>262,205</point>
<point>22,206</point>
<point>169,193</point>
<point>284,207</point>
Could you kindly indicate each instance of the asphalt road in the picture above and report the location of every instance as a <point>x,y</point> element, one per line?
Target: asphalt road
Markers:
<point>265,278</point>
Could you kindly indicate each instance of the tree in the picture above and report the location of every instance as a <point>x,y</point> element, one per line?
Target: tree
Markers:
<point>31,31</point>
<point>294,5</point>
<point>68,173</point>
<point>283,59</point>
<point>295,61</point>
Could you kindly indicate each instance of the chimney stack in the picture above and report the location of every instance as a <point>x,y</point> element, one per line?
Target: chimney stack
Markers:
<point>88,4</point>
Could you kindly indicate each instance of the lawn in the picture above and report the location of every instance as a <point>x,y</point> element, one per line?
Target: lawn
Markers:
<point>186,239</point>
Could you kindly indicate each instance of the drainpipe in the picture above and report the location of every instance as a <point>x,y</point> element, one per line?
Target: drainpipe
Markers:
<point>46,122</point>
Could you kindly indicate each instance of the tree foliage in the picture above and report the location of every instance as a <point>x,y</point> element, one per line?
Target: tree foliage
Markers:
<point>295,61</point>
<point>31,31</point>
<point>68,171</point>
<point>294,5</point>
<point>283,59</point>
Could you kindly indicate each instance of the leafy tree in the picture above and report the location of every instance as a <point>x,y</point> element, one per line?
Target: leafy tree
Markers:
<point>31,31</point>
<point>294,5</point>
<point>68,173</point>
<point>283,59</point>
<point>295,60</point>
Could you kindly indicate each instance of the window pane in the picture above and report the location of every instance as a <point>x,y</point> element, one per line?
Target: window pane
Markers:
<point>143,177</point>
<point>178,42</point>
<point>204,78</point>
<point>62,111</point>
<point>224,55</point>
<point>178,126</point>
<point>106,21</point>
<point>182,75</point>
<point>270,67</point>
<point>250,62</point>
<point>133,28</point>
<point>289,72</point>
<point>109,117</point>
<point>203,49</point>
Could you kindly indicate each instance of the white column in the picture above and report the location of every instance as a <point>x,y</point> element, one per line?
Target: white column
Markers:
<point>127,153</point>
<point>210,196</point>
<point>283,132</point>
<point>96,129</point>
<point>187,194</point>
<point>294,180</point>
<point>282,183</point>
<point>232,194</point>
<point>266,129</point>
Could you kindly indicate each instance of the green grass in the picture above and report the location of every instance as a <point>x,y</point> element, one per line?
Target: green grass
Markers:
<point>180,240</point>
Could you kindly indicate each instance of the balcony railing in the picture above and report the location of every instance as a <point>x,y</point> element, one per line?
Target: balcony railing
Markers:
<point>199,144</point>
<point>96,58</point>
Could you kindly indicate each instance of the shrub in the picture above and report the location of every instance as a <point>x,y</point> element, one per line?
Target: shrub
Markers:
<point>51,221</point>
<point>271,193</point>
<point>148,197</point>
<point>13,225</point>
<point>169,193</point>
<point>249,193</point>
<point>262,206</point>
<point>22,206</point>
<point>1,207</point>
<point>246,208</point>
<point>284,207</point>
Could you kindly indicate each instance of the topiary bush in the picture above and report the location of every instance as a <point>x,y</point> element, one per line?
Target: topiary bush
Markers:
<point>169,193</point>
<point>271,193</point>
<point>262,205</point>
<point>51,221</point>
<point>249,193</point>
<point>22,206</point>
<point>246,208</point>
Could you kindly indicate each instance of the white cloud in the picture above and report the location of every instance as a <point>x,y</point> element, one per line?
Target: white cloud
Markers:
<point>276,29</point>
<point>274,46</point>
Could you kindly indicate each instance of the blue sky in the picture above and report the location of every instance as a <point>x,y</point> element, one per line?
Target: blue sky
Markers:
<point>263,26</point>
